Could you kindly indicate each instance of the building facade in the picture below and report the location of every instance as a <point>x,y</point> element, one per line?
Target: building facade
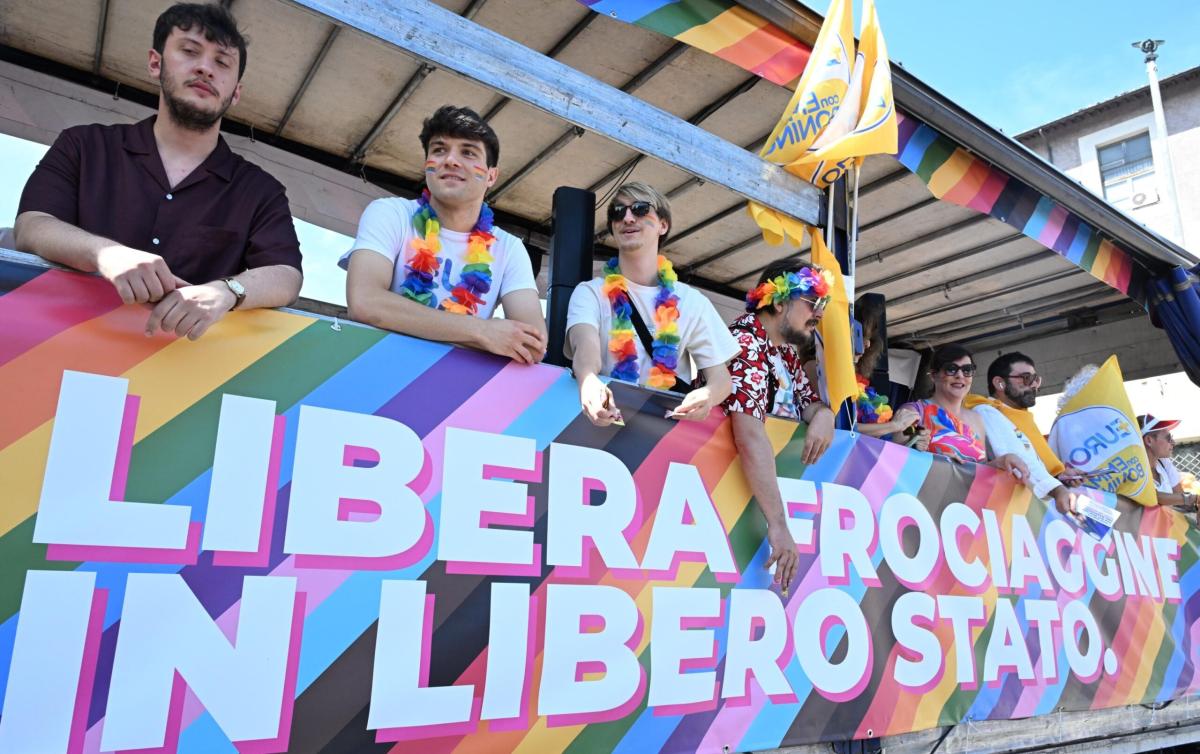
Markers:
<point>1114,149</point>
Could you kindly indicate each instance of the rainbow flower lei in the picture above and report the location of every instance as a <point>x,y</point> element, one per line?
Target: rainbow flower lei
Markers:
<point>872,408</point>
<point>811,280</point>
<point>476,278</point>
<point>621,339</point>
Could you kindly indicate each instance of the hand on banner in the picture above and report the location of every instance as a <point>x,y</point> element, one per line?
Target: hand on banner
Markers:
<point>1012,464</point>
<point>597,402</point>
<point>190,310</point>
<point>695,407</point>
<point>139,276</point>
<point>519,341</point>
<point>819,435</point>
<point>783,553</point>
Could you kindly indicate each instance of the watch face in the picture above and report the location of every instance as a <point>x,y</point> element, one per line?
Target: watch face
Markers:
<point>237,288</point>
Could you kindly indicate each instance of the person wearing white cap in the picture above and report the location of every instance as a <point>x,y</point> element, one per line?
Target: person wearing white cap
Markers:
<point>1156,436</point>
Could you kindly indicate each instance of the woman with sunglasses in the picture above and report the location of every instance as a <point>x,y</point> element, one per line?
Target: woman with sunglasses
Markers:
<point>956,431</point>
<point>638,323</point>
<point>1160,446</point>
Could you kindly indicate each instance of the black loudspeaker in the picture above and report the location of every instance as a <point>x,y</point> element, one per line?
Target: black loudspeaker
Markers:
<point>573,230</point>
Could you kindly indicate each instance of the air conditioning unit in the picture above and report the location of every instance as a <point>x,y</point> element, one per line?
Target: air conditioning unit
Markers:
<point>1142,198</point>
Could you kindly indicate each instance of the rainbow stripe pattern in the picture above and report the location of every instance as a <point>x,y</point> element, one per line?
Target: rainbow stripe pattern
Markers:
<point>476,278</point>
<point>664,354</point>
<point>725,29</point>
<point>51,321</point>
<point>955,175</point>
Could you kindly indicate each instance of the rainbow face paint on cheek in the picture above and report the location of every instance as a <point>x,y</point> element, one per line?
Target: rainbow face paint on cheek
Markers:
<point>480,173</point>
<point>431,166</point>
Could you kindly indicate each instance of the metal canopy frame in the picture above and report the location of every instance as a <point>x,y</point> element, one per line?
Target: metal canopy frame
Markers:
<point>571,134</point>
<point>448,41</point>
<point>308,77</point>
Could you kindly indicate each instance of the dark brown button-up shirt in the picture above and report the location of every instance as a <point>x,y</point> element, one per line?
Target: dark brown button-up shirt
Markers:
<point>227,216</point>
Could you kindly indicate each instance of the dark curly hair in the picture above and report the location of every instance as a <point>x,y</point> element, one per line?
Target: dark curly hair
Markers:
<point>215,21</point>
<point>461,123</point>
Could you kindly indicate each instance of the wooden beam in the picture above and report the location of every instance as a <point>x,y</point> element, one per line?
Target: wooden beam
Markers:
<point>449,41</point>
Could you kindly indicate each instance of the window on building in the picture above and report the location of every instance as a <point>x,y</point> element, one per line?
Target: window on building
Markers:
<point>1127,172</point>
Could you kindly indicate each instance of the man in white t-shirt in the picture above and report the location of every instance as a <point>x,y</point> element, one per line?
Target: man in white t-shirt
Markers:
<point>417,265</point>
<point>681,323</point>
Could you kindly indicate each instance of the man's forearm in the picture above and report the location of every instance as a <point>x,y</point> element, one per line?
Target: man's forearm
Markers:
<point>52,239</point>
<point>586,359</point>
<point>758,464</point>
<point>270,286</point>
<point>718,382</point>
<point>391,311</point>
<point>811,410</point>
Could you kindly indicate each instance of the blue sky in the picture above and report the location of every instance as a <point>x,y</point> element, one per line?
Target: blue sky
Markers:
<point>1021,63</point>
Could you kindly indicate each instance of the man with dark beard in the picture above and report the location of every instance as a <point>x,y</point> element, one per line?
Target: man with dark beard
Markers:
<point>1013,384</point>
<point>163,209</point>
<point>768,378</point>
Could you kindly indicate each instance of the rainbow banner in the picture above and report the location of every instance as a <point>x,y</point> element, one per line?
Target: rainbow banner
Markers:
<point>734,34</point>
<point>955,175</point>
<point>291,535</point>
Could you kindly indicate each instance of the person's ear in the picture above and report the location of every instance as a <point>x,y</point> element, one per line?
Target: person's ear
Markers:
<point>154,64</point>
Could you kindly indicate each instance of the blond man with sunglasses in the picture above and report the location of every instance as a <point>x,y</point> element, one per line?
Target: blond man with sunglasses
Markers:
<point>639,324</point>
<point>769,379</point>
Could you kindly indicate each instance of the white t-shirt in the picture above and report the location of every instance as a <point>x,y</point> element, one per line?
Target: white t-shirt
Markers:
<point>1168,475</point>
<point>386,227</point>
<point>702,334</point>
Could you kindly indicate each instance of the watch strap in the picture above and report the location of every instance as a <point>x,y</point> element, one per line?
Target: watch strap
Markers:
<point>237,289</point>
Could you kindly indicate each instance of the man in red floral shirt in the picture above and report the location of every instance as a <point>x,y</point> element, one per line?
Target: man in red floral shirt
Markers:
<point>768,378</point>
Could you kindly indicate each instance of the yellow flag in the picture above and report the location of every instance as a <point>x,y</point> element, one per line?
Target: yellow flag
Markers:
<point>1096,431</point>
<point>818,99</point>
<point>837,350</point>
<point>820,91</point>
<point>866,123</point>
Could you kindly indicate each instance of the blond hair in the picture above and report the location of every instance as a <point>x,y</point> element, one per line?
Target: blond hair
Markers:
<point>644,192</point>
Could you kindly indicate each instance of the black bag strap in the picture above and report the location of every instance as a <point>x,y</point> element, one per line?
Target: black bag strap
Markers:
<point>639,325</point>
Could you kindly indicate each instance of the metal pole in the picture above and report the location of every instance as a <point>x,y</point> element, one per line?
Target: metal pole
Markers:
<point>1150,48</point>
<point>852,254</point>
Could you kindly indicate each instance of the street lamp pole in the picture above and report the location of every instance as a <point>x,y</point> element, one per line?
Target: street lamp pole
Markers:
<point>1150,48</point>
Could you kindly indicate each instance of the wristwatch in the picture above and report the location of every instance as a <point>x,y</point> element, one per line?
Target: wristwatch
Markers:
<point>237,289</point>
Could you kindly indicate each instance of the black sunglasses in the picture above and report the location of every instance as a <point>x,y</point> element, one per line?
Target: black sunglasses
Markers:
<point>967,370</point>
<point>1029,378</point>
<point>616,212</point>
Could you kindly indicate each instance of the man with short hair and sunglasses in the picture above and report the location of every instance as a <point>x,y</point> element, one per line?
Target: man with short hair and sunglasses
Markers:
<point>640,299</point>
<point>1013,384</point>
<point>162,209</point>
<point>782,312</point>
<point>418,265</point>
<point>1007,442</point>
